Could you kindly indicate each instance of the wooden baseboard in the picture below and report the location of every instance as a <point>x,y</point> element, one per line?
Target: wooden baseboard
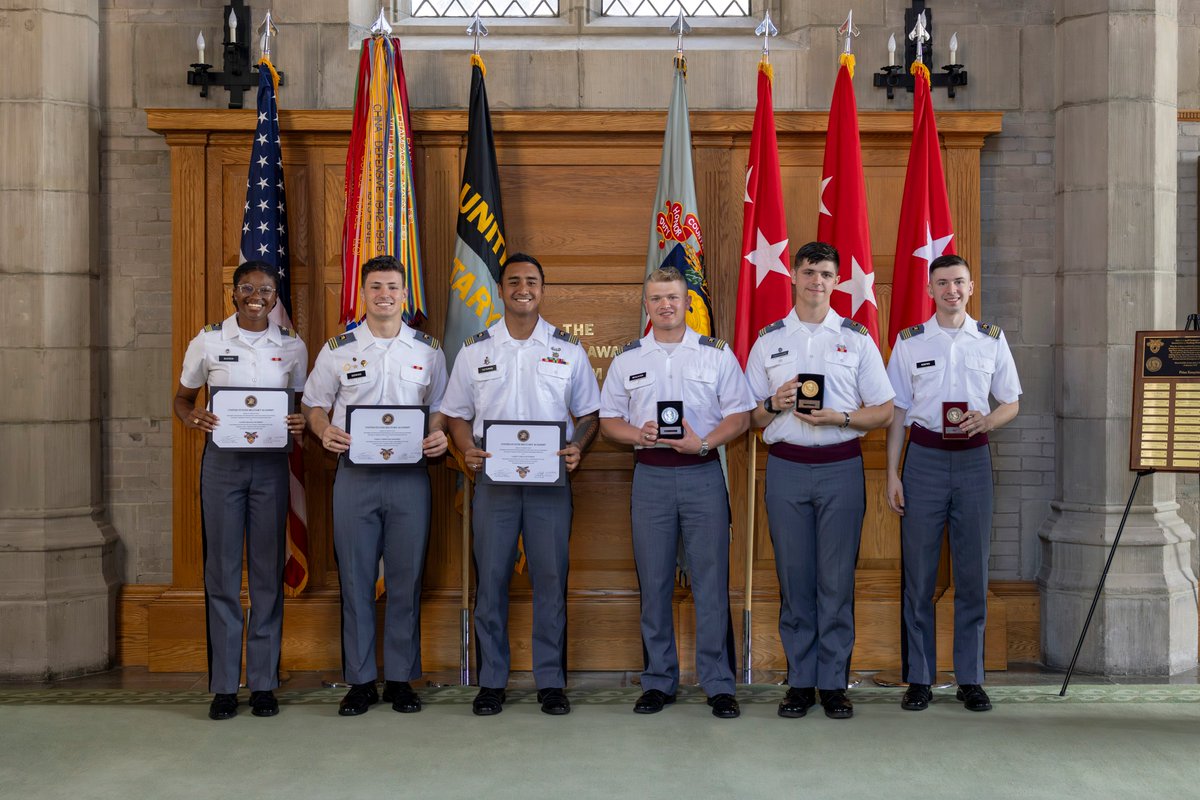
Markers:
<point>163,629</point>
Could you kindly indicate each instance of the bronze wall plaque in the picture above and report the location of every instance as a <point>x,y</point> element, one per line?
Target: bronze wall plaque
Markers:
<point>1165,431</point>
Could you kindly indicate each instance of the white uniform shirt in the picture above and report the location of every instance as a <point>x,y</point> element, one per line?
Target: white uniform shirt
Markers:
<point>929,367</point>
<point>706,378</point>
<point>220,356</point>
<point>845,354</point>
<point>356,369</point>
<point>541,378</point>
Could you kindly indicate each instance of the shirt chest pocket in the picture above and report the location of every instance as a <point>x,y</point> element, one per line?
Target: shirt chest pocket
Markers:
<point>639,383</point>
<point>415,373</point>
<point>699,388</point>
<point>979,371</point>
<point>840,360</point>
<point>927,376</point>
<point>354,375</point>
<point>780,371</point>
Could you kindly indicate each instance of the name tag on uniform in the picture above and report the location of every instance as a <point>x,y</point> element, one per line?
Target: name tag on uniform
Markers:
<point>922,364</point>
<point>358,373</point>
<point>227,358</point>
<point>780,354</point>
<point>637,377</point>
<point>487,369</point>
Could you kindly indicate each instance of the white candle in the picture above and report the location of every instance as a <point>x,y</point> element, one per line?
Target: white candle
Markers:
<point>232,26</point>
<point>892,50</point>
<point>200,46</point>
<point>954,48</point>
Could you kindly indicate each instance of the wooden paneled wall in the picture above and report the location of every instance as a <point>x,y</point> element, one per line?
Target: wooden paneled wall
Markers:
<point>578,189</point>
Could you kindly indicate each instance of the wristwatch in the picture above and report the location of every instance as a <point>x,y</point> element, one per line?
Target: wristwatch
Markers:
<point>703,448</point>
<point>846,424</point>
<point>768,407</point>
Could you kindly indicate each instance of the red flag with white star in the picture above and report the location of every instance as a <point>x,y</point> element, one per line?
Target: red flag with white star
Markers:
<point>765,281</point>
<point>926,230</point>
<point>842,221</point>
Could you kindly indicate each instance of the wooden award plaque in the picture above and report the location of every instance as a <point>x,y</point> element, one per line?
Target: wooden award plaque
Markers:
<point>1165,431</point>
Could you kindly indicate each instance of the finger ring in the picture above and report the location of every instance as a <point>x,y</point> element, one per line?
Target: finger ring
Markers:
<point>645,436</point>
<point>477,465</point>
<point>195,420</point>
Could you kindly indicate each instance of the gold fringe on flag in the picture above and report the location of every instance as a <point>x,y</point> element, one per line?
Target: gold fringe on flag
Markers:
<point>681,64</point>
<point>266,62</point>
<point>477,61</point>
<point>847,60</point>
<point>765,68</point>
<point>920,69</point>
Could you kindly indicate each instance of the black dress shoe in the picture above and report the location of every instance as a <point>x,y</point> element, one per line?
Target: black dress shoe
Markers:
<point>797,702</point>
<point>554,701</point>
<point>974,698</point>
<point>652,702</point>
<point>358,700</point>
<point>402,697</point>
<point>223,706</point>
<point>837,705</point>
<point>916,697</point>
<point>488,702</point>
<point>263,704</point>
<point>725,706</point>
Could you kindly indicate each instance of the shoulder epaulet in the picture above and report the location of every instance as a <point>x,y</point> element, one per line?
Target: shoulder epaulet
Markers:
<point>212,326</point>
<point>712,341</point>
<point>987,329</point>
<point>774,326</point>
<point>340,340</point>
<point>287,332</point>
<point>562,335</point>
<point>915,330</point>
<point>634,345</point>
<point>476,337</point>
<point>422,336</point>
<point>857,327</point>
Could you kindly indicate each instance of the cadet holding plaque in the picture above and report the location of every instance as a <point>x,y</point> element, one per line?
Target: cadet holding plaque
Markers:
<point>521,369</point>
<point>822,385</point>
<point>943,372</point>
<point>678,486</point>
<point>244,486</point>
<point>387,375</point>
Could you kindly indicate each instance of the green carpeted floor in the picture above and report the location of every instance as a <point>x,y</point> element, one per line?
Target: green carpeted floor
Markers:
<point>1099,742</point>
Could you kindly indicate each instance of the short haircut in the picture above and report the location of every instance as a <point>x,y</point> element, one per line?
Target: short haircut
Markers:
<point>947,261</point>
<point>246,267</point>
<point>815,253</point>
<point>518,258</point>
<point>664,275</point>
<point>381,264</point>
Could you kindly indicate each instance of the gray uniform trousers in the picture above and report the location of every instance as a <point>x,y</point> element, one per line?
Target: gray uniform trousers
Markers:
<point>380,512</point>
<point>243,497</point>
<point>941,486</point>
<point>542,516</point>
<point>692,502</point>
<point>815,512</point>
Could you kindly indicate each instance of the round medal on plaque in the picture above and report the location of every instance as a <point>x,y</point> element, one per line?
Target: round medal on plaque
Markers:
<point>670,419</point>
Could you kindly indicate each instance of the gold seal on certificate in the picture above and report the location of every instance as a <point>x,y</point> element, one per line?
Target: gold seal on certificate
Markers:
<point>252,419</point>
<point>383,436</point>
<point>524,453</point>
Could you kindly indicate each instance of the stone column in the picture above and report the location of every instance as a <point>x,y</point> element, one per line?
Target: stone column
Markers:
<point>57,581</point>
<point>1116,148</point>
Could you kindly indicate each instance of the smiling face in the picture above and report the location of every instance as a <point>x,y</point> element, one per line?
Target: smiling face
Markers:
<point>951,287</point>
<point>384,295</point>
<point>521,288</point>
<point>253,297</point>
<point>667,304</point>
<point>813,284</point>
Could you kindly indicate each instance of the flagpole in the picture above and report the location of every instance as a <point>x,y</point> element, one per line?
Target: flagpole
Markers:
<point>464,653</point>
<point>751,502</point>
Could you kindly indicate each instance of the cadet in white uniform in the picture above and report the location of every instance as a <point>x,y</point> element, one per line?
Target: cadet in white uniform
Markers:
<point>815,492</point>
<point>679,487</point>
<point>379,511</point>
<point>949,359</point>
<point>521,368</point>
<point>243,496</point>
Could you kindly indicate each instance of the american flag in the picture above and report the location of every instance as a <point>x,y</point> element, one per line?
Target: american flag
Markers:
<point>264,238</point>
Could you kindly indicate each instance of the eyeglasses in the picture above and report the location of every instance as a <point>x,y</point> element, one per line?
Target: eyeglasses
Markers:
<point>248,289</point>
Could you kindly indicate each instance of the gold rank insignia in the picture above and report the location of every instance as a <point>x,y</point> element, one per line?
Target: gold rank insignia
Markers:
<point>566,337</point>
<point>774,326</point>
<point>635,344</point>
<point>712,341</point>
<point>287,332</point>
<point>857,327</point>
<point>212,326</point>
<point>988,329</point>
<point>340,340</point>
<point>421,336</point>
<point>483,335</point>
<point>915,330</point>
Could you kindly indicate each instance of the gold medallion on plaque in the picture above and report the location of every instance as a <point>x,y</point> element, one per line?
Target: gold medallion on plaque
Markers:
<point>1154,345</point>
<point>809,388</point>
<point>1153,364</point>
<point>954,415</point>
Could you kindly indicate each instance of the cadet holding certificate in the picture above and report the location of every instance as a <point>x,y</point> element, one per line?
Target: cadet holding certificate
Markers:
<point>379,510</point>
<point>244,495</point>
<point>252,419</point>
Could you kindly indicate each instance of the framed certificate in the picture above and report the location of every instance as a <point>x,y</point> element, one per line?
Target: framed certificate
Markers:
<point>387,436</point>
<point>253,419</point>
<point>524,453</point>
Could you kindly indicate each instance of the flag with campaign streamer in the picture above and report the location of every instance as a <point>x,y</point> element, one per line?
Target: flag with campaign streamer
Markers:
<point>842,217</point>
<point>479,251</point>
<point>265,238</point>
<point>765,279</point>
<point>675,236</point>
<point>381,217</point>
<point>926,230</point>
